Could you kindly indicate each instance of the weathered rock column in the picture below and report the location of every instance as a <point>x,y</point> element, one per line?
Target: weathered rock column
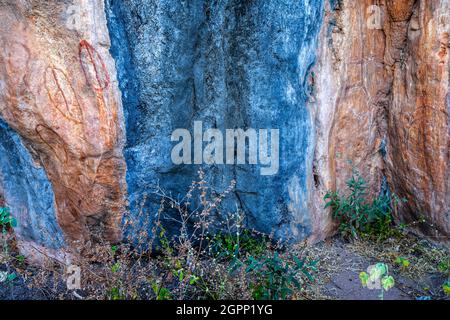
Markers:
<point>342,80</point>
<point>382,103</point>
<point>59,93</point>
<point>417,62</point>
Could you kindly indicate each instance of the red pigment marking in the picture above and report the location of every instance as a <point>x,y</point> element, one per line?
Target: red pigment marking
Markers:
<point>39,130</point>
<point>52,72</point>
<point>97,63</point>
<point>107,130</point>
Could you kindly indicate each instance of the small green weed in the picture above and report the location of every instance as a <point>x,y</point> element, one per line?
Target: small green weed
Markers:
<point>378,278</point>
<point>276,278</point>
<point>356,215</point>
<point>6,220</point>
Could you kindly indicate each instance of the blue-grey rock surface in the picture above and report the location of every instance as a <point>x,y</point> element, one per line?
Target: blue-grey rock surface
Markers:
<point>29,193</point>
<point>230,64</point>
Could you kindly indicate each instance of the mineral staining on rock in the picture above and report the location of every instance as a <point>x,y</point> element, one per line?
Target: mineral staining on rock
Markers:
<point>418,119</point>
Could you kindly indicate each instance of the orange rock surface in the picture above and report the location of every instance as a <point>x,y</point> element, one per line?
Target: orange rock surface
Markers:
<point>60,94</point>
<point>382,103</point>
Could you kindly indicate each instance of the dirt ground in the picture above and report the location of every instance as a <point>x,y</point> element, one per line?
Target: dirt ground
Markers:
<point>337,277</point>
<point>345,283</point>
<point>338,274</point>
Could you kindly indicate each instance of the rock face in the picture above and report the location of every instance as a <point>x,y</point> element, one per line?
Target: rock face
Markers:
<point>341,80</point>
<point>417,164</point>
<point>23,184</point>
<point>382,103</point>
<point>230,64</point>
<point>59,93</point>
<point>2,197</point>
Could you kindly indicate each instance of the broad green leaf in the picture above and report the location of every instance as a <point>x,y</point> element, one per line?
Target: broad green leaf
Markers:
<point>387,283</point>
<point>116,267</point>
<point>193,280</point>
<point>380,269</point>
<point>364,277</point>
<point>11,277</point>
<point>446,288</point>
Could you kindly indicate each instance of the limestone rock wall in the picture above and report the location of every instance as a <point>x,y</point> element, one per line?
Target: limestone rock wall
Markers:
<point>231,65</point>
<point>382,103</point>
<point>90,92</point>
<point>58,92</point>
<point>417,163</point>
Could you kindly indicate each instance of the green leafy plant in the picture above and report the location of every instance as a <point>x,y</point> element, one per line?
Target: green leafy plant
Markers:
<point>7,277</point>
<point>358,216</point>
<point>446,288</point>
<point>229,246</point>
<point>115,267</point>
<point>402,262</point>
<point>114,249</point>
<point>116,293</point>
<point>444,266</point>
<point>6,220</point>
<point>161,292</point>
<point>378,278</point>
<point>20,259</point>
<point>275,277</point>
